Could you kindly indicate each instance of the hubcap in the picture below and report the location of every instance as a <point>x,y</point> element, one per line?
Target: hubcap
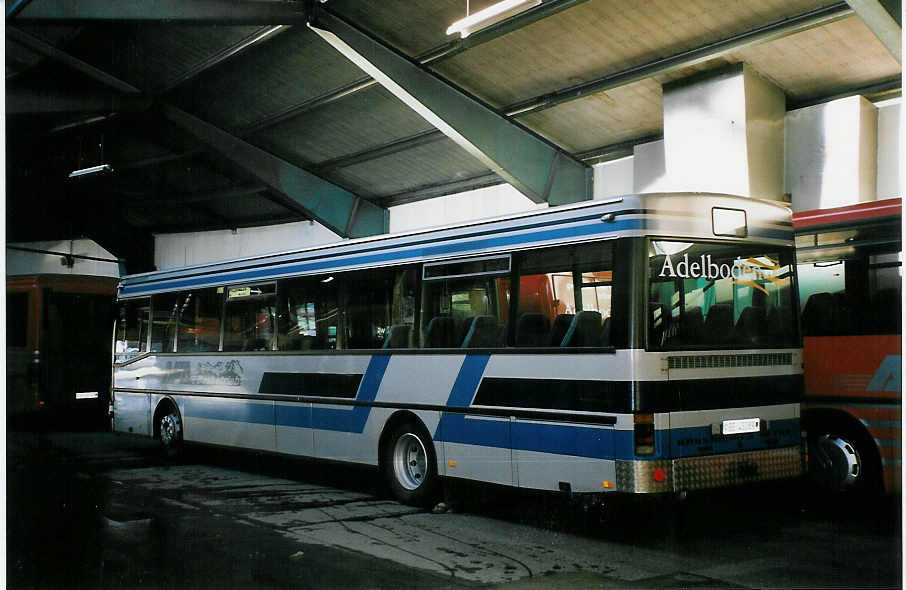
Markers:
<point>169,429</point>
<point>410,461</point>
<point>839,461</point>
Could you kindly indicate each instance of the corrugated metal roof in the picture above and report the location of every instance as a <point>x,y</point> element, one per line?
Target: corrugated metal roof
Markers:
<point>283,90</point>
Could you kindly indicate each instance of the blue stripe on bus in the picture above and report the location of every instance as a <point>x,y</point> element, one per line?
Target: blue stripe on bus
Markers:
<point>588,229</point>
<point>572,440</point>
<point>579,441</point>
<point>352,419</point>
<point>422,252</point>
<point>474,431</point>
<point>246,411</point>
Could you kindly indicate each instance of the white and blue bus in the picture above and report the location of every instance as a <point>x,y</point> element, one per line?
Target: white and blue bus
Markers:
<point>642,344</point>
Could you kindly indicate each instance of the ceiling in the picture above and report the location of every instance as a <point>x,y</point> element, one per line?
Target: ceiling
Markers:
<point>223,114</point>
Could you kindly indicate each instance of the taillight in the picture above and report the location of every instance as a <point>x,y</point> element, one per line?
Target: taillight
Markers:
<point>644,434</point>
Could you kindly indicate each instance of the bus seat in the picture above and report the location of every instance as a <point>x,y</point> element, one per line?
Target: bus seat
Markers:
<point>605,332</point>
<point>440,332</point>
<point>484,333</point>
<point>778,326</point>
<point>750,327</point>
<point>719,324</point>
<point>817,315</point>
<point>255,344</point>
<point>532,329</point>
<point>558,330</point>
<point>462,329</point>
<point>692,323</point>
<point>398,336</point>
<point>584,330</point>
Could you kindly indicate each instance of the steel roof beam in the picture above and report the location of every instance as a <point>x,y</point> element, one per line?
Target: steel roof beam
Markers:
<point>203,196</point>
<point>155,160</point>
<point>32,101</point>
<point>432,56</point>
<point>685,59</point>
<point>336,208</point>
<point>890,88</point>
<point>534,166</point>
<point>226,12</point>
<point>14,7</point>
<point>339,210</point>
<point>49,51</point>
<point>884,19</point>
<point>776,30</point>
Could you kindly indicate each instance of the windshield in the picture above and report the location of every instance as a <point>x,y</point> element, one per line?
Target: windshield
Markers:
<point>709,295</point>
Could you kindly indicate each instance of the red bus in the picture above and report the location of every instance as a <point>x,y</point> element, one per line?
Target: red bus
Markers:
<point>850,273</point>
<point>58,348</point>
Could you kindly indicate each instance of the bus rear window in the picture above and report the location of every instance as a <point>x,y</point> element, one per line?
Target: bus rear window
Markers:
<point>708,295</point>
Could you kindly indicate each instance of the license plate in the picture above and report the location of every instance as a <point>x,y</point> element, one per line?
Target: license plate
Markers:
<point>740,426</point>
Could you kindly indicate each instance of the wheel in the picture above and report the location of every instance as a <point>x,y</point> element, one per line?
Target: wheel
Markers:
<point>169,427</point>
<point>843,459</point>
<point>410,466</point>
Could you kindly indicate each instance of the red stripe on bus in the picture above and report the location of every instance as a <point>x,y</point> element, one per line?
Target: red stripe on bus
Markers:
<point>887,207</point>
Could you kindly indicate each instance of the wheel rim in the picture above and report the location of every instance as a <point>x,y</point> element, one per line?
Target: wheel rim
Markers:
<point>839,462</point>
<point>410,461</point>
<point>170,429</point>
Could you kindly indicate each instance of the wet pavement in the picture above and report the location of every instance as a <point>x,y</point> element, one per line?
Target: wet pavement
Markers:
<point>95,510</point>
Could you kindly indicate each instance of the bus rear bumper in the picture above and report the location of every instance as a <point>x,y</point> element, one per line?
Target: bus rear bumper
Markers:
<point>712,471</point>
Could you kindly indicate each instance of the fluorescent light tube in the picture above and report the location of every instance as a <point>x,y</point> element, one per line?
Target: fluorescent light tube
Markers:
<point>490,15</point>
<point>92,170</point>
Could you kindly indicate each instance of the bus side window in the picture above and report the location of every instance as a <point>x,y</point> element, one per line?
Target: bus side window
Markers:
<point>565,297</point>
<point>307,313</point>
<point>132,328</point>
<point>249,318</point>
<point>164,315</point>
<point>369,296</point>
<point>463,313</point>
<point>859,295</point>
<point>199,321</point>
<point>885,288</point>
<point>402,311</point>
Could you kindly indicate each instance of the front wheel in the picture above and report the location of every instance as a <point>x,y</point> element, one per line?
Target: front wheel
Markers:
<point>842,459</point>
<point>410,466</point>
<point>169,427</point>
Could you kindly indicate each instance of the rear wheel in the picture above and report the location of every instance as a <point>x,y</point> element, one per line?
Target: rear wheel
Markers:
<point>410,466</point>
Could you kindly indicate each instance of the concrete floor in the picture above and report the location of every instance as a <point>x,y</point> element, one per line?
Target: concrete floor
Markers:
<point>97,510</point>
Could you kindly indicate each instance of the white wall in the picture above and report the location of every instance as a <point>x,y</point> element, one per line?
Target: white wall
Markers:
<point>614,178</point>
<point>484,202</point>
<point>185,249</point>
<point>889,134</point>
<point>21,262</point>
<point>832,154</point>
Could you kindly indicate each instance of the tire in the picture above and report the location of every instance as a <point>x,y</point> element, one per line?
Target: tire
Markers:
<point>410,465</point>
<point>169,430</point>
<point>843,459</point>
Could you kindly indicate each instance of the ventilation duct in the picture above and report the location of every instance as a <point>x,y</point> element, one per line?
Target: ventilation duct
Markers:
<point>723,132</point>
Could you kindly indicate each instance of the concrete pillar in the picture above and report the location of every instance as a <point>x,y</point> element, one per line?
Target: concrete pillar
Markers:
<point>723,132</point>
<point>832,154</point>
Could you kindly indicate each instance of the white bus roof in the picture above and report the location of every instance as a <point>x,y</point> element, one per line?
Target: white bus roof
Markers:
<point>669,215</point>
